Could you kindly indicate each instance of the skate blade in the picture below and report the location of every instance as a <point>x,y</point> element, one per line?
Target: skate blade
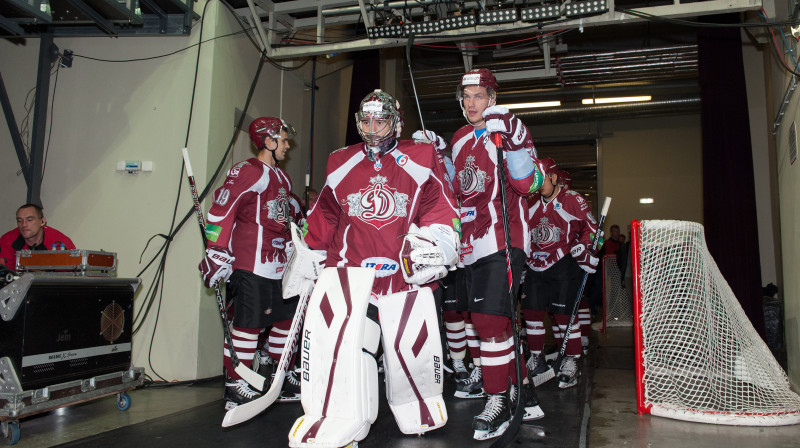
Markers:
<point>532,413</point>
<point>288,398</point>
<point>486,435</point>
<point>469,396</point>
<point>544,377</point>
<point>534,430</point>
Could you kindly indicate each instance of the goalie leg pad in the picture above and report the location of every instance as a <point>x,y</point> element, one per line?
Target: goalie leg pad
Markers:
<point>413,360</point>
<point>339,381</point>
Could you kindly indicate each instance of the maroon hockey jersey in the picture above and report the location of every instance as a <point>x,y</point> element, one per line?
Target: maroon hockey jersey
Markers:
<point>365,208</point>
<point>476,185</point>
<point>558,225</point>
<point>251,215</point>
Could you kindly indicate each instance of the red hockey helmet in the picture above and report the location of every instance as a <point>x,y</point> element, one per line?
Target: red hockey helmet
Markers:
<point>477,77</point>
<point>549,165</point>
<point>268,127</point>
<point>564,178</point>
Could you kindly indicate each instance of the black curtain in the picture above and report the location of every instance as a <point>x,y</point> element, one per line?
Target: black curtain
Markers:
<point>366,78</point>
<point>729,204</point>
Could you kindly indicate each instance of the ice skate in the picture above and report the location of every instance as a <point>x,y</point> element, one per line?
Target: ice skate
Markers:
<point>459,372</point>
<point>494,419</point>
<point>238,392</point>
<point>531,402</point>
<point>538,369</point>
<point>472,387</point>
<point>568,373</point>
<point>262,363</point>
<point>290,391</point>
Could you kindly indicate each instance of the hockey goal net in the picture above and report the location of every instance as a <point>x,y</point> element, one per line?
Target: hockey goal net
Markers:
<point>617,300</point>
<point>698,358</point>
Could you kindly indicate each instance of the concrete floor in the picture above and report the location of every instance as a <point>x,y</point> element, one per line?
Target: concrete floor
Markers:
<point>613,421</point>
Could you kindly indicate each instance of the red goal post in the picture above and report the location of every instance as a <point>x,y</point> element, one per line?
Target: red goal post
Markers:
<point>698,358</point>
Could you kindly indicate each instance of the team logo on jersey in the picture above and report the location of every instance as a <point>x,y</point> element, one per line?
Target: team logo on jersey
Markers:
<point>545,234</point>
<point>557,206</point>
<point>379,204</point>
<point>401,160</point>
<point>384,267</point>
<point>234,172</point>
<point>471,179</point>
<point>222,197</point>
<point>278,208</point>
<point>468,214</point>
<point>539,256</point>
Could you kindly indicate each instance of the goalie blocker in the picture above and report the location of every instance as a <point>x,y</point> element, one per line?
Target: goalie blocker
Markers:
<point>339,386</point>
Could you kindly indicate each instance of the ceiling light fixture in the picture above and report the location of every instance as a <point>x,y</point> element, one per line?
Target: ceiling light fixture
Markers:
<point>459,21</point>
<point>538,13</point>
<point>533,105</point>
<point>497,16</point>
<point>625,99</point>
<point>646,200</point>
<point>588,8</point>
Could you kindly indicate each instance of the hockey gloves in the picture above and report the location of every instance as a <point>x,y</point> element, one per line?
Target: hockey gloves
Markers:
<point>304,264</point>
<point>500,120</point>
<point>430,137</point>
<point>428,253</point>
<point>588,262</point>
<point>218,264</point>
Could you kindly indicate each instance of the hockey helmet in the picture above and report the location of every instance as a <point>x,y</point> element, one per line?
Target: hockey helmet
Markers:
<point>477,77</point>
<point>379,105</point>
<point>268,127</point>
<point>564,178</point>
<point>549,166</point>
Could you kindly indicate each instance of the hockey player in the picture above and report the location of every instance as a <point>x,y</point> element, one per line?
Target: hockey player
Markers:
<point>562,228</point>
<point>385,206</point>
<point>483,239</point>
<point>247,233</point>
<point>459,331</point>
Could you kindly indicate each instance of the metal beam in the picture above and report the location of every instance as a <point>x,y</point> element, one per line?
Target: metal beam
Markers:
<point>47,53</point>
<point>99,20</point>
<point>11,26</point>
<point>615,17</point>
<point>14,131</point>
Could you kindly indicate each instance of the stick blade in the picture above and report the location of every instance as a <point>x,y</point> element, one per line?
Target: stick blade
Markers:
<point>252,378</point>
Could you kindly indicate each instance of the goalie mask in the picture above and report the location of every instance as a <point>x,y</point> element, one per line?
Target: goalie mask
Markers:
<point>477,77</point>
<point>264,127</point>
<point>379,121</point>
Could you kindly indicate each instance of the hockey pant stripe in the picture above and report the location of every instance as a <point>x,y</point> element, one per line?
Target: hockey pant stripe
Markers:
<point>574,343</point>
<point>277,338</point>
<point>534,324</point>
<point>456,339</point>
<point>474,343</point>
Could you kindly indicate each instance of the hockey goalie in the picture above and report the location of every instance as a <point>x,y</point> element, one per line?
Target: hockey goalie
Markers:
<point>387,222</point>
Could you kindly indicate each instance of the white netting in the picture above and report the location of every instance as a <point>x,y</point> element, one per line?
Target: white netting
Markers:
<point>702,359</point>
<point>618,300</point>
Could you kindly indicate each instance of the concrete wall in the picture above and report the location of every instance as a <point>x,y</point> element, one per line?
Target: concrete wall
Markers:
<point>104,112</point>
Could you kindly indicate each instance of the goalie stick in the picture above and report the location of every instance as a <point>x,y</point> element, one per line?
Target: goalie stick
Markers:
<point>516,420</point>
<point>595,241</point>
<point>413,86</point>
<point>246,411</point>
<point>252,378</point>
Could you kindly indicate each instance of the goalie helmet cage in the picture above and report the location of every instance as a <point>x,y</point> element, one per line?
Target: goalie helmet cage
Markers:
<point>617,301</point>
<point>698,358</point>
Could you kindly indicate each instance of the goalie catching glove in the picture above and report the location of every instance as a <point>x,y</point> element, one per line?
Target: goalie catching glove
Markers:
<point>428,253</point>
<point>304,264</point>
<point>584,258</point>
<point>218,264</point>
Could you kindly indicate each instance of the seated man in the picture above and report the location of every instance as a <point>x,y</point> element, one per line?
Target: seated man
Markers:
<point>31,233</point>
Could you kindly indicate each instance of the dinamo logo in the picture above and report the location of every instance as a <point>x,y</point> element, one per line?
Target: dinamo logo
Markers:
<point>471,178</point>
<point>379,204</point>
<point>278,208</point>
<point>545,234</point>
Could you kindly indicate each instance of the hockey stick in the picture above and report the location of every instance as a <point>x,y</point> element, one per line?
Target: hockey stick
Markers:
<point>413,86</point>
<point>595,241</point>
<point>242,370</point>
<point>516,420</point>
<point>246,411</point>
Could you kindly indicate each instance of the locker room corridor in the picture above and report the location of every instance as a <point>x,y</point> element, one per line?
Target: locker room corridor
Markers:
<point>600,412</point>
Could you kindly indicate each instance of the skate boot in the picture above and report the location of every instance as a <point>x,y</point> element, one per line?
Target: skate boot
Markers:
<point>538,370</point>
<point>472,387</point>
<point>238,392</point>
<point>262,363</point>
<point>568,373</point>
<point>494,419</point>
<point>460,372</point>
<point>290,390</point>
<point>531,402</point>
